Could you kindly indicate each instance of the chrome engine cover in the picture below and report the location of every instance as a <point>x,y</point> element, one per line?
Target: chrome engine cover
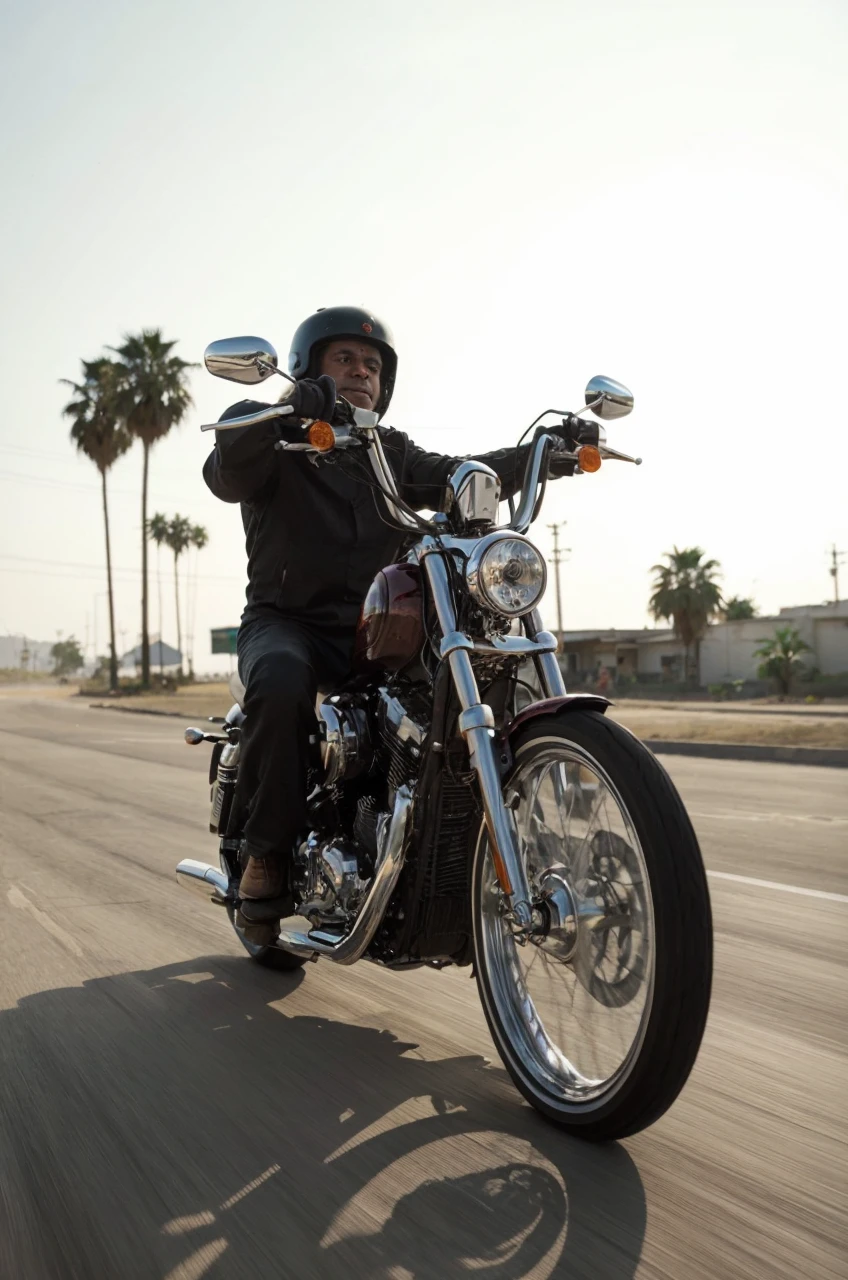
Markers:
<point>345,741</point>
<point>332,887</point>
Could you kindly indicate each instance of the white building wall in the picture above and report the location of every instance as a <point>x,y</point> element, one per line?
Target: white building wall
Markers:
<point>727,650</point>
<point>831,645</point>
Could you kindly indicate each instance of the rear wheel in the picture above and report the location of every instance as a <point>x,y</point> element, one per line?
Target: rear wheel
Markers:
<point>258,940</point>
<point>599,1011</point>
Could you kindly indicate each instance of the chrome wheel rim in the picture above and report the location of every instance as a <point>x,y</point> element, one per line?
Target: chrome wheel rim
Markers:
<point>574,996</point>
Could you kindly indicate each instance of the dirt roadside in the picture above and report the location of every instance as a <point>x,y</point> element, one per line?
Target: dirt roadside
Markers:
<point>766,726</point>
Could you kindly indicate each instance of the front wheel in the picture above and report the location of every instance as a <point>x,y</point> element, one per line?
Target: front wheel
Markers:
<point>598,1011</point>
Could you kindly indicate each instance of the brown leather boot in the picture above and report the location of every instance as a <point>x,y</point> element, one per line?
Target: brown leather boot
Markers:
<point>263,878</point>
<point>264,890</point>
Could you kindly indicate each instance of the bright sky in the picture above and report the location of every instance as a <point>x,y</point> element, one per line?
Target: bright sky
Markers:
<point>529,193</point>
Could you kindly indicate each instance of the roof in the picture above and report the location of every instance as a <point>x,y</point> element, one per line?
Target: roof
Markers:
<point>618,635</point>
<point>170,656</point>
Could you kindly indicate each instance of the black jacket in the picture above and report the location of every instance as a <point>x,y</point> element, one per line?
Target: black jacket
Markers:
<point>315,537</point>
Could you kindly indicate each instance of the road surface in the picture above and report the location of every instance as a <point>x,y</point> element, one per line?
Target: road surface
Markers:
<point>169,1111</point>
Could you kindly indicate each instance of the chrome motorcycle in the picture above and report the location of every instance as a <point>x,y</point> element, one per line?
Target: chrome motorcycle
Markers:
<point>545,847</point>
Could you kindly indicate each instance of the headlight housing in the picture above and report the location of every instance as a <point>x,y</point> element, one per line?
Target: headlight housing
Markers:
<point>506,573</point>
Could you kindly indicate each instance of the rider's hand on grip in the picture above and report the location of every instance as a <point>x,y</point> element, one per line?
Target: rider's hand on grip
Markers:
<point>313,398</point>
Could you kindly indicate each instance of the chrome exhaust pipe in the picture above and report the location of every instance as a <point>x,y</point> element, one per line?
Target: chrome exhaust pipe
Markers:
<point>208,881</point>
<point>352,947</point>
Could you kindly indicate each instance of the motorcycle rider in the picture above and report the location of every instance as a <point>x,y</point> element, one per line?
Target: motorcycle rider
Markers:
<point>316,537</point>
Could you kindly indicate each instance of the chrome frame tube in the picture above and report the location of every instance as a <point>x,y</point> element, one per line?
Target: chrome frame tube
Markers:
<point>349,949</point>
<point>476,724</point>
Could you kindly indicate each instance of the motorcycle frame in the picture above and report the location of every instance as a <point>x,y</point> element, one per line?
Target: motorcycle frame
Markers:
<point>476,723</point>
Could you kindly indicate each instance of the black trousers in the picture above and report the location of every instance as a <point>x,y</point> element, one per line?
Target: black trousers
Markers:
<point>283,665</point>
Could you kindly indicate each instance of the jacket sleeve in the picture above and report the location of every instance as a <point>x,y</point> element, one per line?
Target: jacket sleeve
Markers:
<point>243,461</point>
<point>424,475</point>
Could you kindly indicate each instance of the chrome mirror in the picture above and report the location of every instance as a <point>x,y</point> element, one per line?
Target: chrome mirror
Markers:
<point>241,359</point>
<point>608,399</point>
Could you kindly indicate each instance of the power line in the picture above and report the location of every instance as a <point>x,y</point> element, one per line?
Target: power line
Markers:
<point>52,482</point>
<point>101,569</point>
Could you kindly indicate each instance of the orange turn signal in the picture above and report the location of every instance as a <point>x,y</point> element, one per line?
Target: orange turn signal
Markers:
<point>322,436</point>
<point>588,458</point>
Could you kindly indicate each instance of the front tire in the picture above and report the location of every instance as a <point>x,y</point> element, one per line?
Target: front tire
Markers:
<point>602,1034</point>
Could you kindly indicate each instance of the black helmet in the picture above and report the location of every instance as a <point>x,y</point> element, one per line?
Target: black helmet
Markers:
<point>329,323</point>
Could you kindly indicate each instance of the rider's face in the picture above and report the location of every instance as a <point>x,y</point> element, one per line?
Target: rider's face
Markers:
<point>356,368</point>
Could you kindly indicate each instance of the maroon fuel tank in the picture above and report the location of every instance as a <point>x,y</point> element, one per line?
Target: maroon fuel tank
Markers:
<point>391,631</point>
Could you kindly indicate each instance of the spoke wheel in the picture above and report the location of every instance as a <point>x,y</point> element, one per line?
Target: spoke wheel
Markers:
<point>598,1011</point>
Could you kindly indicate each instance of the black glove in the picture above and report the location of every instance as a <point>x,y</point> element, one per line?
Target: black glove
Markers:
<point>557,464</point>
<point>314,398</point>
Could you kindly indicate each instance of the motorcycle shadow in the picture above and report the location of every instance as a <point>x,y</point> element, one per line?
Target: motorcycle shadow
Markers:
<point>180,1123</point>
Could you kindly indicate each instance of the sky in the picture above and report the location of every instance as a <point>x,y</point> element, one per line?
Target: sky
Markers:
<point>529,194</point>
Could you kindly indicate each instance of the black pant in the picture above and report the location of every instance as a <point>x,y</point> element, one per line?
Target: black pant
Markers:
<point>283,664</point>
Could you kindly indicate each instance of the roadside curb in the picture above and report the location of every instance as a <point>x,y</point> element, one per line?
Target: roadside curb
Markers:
<point>146,711</point>
<point>824,757</point>
<point>827,757</point>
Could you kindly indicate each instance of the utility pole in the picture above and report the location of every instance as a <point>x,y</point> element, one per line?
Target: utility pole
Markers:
<point>836,559</point>
<point>556,560</point>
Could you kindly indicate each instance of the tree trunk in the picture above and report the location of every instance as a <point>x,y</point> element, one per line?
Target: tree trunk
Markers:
<point>159,590</point>
<point>177,597</point>
<point>145,633</point>
<point>113,657</point>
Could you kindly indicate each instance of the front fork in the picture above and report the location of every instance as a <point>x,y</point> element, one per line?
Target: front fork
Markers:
<point>477,726</point>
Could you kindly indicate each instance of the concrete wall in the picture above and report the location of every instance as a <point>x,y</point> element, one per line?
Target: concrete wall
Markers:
<point>651,656</point>
<point>831,645</point>
<point>727,650</point>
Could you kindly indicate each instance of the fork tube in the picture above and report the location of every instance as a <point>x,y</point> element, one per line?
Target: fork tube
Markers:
<point>550,675</point>
<point>477,724</point>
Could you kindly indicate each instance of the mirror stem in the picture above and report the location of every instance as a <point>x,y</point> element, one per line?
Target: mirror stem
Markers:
<point>266,367</point>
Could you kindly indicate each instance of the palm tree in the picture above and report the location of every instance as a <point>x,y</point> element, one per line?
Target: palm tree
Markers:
<point>199,539</point>
<point>98,432</point>
<point>737,608</point>
<point>154,398</point>
<point>179,540</point>
<point>781,657</point>
<point>686,594</point>
<point>157,531</point>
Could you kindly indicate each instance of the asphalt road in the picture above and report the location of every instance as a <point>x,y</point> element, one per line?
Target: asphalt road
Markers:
<point>169,1111</point>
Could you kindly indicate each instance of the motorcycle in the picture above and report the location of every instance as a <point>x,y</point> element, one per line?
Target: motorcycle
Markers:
<point>546,848</point>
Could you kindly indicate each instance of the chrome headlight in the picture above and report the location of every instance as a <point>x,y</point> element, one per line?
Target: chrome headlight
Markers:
<point>506,573</point>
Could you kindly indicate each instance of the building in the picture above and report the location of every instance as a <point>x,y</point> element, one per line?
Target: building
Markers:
<point>649,655</point>
<point>727,650</point>
<point>653,655</point>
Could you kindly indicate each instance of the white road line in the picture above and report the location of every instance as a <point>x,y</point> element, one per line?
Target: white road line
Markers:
<point>785,888</point>
<point>22,902</point>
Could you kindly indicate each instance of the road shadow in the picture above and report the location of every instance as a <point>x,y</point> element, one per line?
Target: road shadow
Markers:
<point>179,1123</point>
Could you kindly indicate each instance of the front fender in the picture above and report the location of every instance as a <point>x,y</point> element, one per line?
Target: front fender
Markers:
<point>552,707</point>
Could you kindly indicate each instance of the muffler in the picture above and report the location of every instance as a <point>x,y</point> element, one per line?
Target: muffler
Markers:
<point>208,881</point>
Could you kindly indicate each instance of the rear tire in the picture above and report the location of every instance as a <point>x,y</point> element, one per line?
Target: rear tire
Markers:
<point>266,954</point>
<point>656,894</point>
